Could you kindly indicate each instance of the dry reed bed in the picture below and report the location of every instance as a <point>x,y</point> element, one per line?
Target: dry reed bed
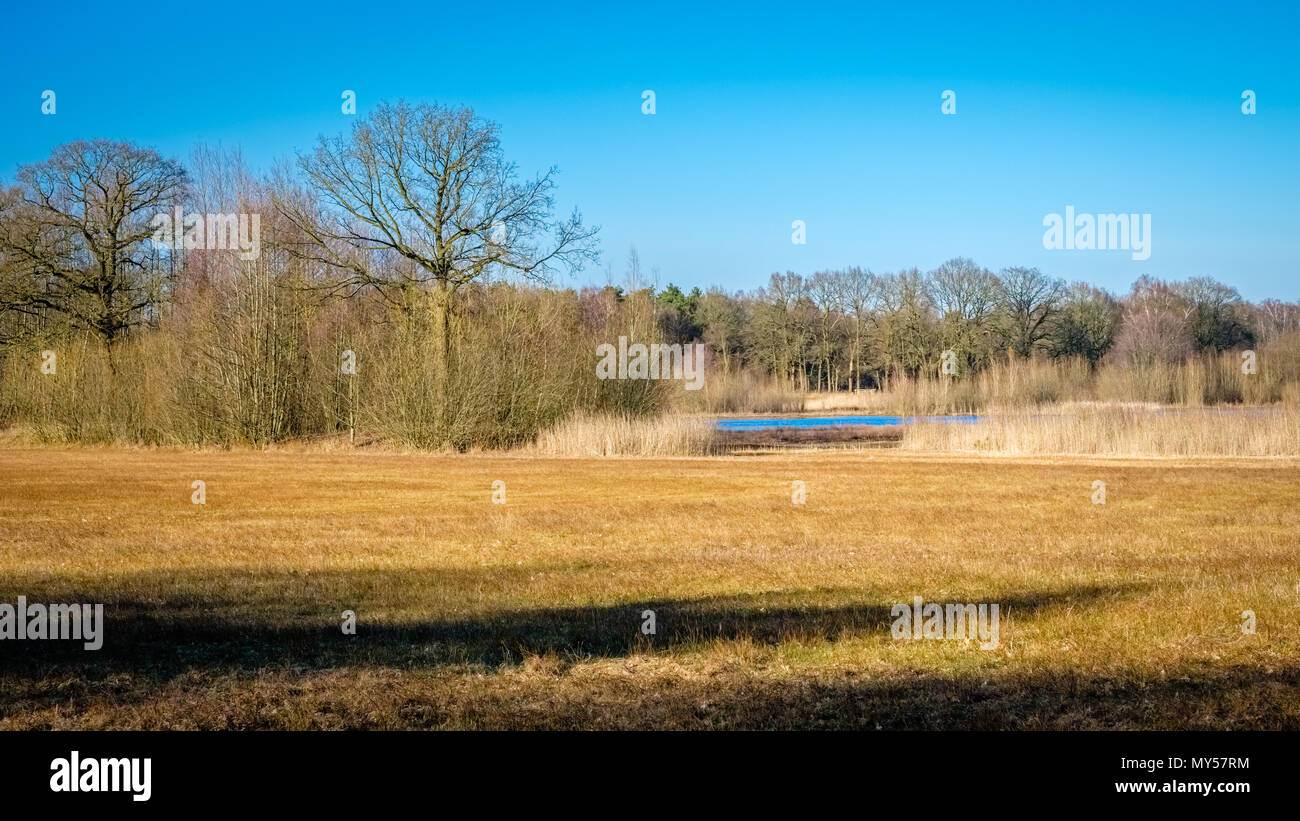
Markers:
<point>618,435</point>
<point>1117,431</point>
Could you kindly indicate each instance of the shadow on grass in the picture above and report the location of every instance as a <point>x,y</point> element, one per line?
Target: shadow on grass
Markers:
<point>166,650</point>
<point>293,621</point>
<point>1234,698</point>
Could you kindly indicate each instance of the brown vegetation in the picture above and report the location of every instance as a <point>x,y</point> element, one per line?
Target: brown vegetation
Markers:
<point>528,614</point>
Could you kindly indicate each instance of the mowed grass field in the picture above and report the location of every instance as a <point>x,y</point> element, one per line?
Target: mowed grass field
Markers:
<point>768,614</point>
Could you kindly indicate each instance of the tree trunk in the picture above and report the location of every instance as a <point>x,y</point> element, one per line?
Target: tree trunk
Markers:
<point>441,333</point>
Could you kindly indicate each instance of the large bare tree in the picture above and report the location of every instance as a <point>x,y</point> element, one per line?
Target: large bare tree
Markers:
<point>1030,299</point>
<point>72,235</point>
<point>966,297</point>
<point>420,201</point>
<point>860,297</point>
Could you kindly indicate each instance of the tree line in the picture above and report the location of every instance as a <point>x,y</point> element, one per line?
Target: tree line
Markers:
<point>413,249</point>
<point>853,328</point>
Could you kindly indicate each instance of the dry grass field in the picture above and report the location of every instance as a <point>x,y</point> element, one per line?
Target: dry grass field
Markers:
<point>768,614</point>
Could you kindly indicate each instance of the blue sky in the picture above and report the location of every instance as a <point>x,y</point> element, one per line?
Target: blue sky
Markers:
<point>766,113</point>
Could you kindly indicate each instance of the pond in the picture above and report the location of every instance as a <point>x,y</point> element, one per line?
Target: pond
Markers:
<point>778,423</point>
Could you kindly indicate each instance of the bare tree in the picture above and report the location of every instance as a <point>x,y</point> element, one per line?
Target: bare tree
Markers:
<point>428,186</point>
<point>1219,319</point>
<point>860,296</point>
<point>1086,324</point>
<point>1030,299</point>
<point>781,328</point>
<point>723,320</point>
<point>74,232</point>
<point>907,327</point>
<point>966,296</point>
<point>1276,318</point>
<point>824,289</point>
<point>634,279</point>
<point>1156,325</point>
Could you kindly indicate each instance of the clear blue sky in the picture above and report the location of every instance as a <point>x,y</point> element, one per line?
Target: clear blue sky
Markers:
<point>765,114</point>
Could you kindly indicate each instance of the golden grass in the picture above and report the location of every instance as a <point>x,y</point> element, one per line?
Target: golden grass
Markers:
<point>769,614</point>
<point>1132,430</point>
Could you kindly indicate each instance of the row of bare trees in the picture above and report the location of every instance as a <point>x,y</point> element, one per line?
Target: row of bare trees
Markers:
<point>384,239</point>
<point>853,328</point>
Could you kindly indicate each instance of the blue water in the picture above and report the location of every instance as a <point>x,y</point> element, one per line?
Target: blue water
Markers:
<point>835,421</point>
